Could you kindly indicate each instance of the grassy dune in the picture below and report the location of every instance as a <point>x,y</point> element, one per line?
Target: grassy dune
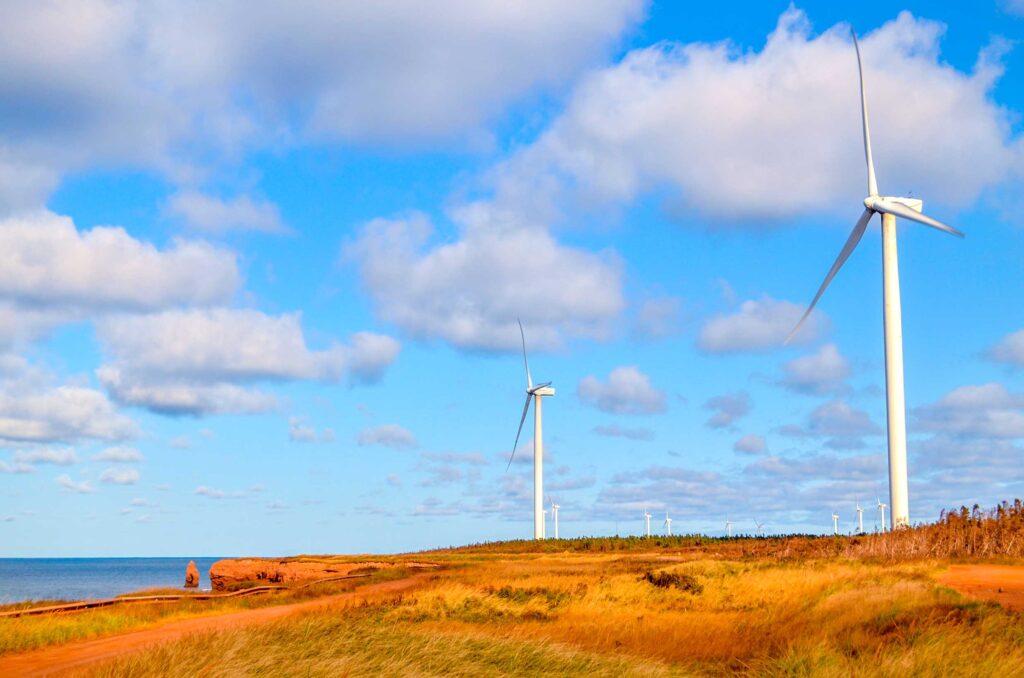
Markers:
<point>575,614</point>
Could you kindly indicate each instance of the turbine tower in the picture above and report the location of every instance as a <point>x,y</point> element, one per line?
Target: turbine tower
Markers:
<point>881,512</point>
<point>760,528</point>
<point>728,527</point>
<point>668,524</point>
<point>860,519</point>
<point>889,208</point>
<point>554,514</point>
<point>835,523</point>
<point>647,522</point>
<point>534,393</point>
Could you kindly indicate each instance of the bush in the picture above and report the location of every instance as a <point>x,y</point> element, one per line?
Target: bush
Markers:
<point>683,582</point>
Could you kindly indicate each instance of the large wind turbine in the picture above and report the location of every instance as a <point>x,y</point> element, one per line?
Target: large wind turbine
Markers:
<point>534,393</point>
<point>889,208</point>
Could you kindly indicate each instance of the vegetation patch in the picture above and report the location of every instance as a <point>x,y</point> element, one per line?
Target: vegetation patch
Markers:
<point>667,580</point>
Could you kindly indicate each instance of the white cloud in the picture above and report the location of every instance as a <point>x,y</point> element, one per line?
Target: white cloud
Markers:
<point>57,457</point>
<point>151,84</point>
<point>760,325</point>
<point>81,487</point>
<point>820,373</point>
<point>727,409</point>
<point>388,435</point>
<point>120,476</point>
<point>751,444</point>
<point>613,431</point>
<point>301,432</point>
<point>119,454</point>
<point>214,215</point>
<point>47,262</point>
<point>64,413</point>
<point>715,127</point>
<point>986,410</point>
<point>842,422</point>
<point>182,442</point>
<point>627,391</point>
<point>1010,349</point>
<point>471,291</point>
<point>657,317</point>
<point>186,362</point>
<point>16,467</point>
<point>204,491</point>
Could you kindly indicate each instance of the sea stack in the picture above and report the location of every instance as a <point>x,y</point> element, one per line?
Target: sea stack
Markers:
<point>191,575</point>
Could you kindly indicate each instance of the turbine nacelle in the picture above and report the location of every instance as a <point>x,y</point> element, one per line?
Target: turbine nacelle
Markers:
<point>913,203</point>
<point>541,390</point>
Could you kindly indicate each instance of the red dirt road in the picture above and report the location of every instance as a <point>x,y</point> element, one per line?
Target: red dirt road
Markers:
<point>1003,584</point>
<point>54,660</point>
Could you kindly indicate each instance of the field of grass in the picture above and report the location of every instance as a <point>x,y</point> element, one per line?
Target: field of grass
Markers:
<point>644,614</point>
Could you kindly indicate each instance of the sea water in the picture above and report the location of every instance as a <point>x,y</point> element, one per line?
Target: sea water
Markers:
<point>88,578</point>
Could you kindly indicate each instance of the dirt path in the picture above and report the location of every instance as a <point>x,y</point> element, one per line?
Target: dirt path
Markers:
<point>1003,584</point>
<point>57,659</point>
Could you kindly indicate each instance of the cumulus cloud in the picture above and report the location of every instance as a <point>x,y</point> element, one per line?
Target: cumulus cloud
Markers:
<point>637,127</point>
<point>751,444</point>
<point>49,263</point>
<point>759,325</point>
<point>146,83</point>
<point>60,414</point>
<point>120,476</point>
<point>820,373</point>
<point>627,391</point>
<point>470,292</point>
<point>212,493</point>
<point>388,435</point>
<point>301,432</point>
<point>187,361</point>
<point>213,215</point>
<point>613,431</point>
<point>727,409</point>
<point>79,487</point>
<point>1010,349</point>
<point>57,457</point>
<point>16,467</point>
<point>120,454</point>
<point>984,410</point>
<point>844,425</point>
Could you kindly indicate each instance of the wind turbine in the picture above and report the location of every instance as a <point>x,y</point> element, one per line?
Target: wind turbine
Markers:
<point>668,524</point>
<point>835,523</point>
<point>890,208</point>
<point>860,519</point>
<point>760,528</point>
<point>647,522</point>
<point>728,527</point>
<point>881,512</point>
<point>534,393</point>
<point>554,514</point>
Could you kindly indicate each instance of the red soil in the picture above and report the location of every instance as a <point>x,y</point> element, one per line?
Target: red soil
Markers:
<point>1003,584</point>
<point>55,660</point>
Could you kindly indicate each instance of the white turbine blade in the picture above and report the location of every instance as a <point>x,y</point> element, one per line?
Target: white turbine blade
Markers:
<point>529,381</point>
<point>526,408</point>
<point>844,254</point>
<point>872,184</point>
<point>902,211</point>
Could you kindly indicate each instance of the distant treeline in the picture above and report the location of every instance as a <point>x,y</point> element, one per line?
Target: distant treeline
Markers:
<point>959,533</point>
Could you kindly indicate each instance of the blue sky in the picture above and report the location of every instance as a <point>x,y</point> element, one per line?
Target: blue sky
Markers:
<point>261,270</point>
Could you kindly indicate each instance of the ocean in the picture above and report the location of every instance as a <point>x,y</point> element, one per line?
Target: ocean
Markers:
<point>87,578</point>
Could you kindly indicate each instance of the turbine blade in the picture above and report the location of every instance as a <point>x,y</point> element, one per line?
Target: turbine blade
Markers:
<point>529,381</point>
<point>904,212</point>
<point>844,254</point>
<point>872,184</point>
<point>526,408</point>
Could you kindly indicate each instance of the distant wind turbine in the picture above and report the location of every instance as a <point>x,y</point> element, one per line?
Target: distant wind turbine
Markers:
<point>728,527</point>
<point>554,514</point>
<point>760,528</point>
<point>835,523</point>
<point>668,524</point>
<point>881,512</point>
<point>889,208</point>
<point>534,393</point>
<point>647,522</point>
<point>860,519</point>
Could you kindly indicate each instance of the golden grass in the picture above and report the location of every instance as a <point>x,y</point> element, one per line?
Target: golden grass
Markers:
<point>597,614</point>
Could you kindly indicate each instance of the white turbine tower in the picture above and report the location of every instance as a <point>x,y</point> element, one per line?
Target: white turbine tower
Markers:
<point>881,512</point>
<point>889,208</point>
<point>835,523</point>
<point>534,393</point>
<point>647,522</point>
<point>668,524</point>
<point>760,528</point>
<point>544,526</point>
<point>860,519</point>
<point>728,527</point>
<point>554,514</point>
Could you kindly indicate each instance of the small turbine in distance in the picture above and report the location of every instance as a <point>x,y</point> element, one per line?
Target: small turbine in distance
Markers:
<point>647,522</point>
<point>889,208</point>
<point>835,523</point>
<point>668,525</point>
<point>728,527</point>
<point>534,393</point>
<point>860,519</point>
<point>881,512</point>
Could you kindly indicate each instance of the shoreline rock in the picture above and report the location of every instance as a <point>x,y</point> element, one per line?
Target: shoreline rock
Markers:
<point>233,572</point>
<point>191,575</point>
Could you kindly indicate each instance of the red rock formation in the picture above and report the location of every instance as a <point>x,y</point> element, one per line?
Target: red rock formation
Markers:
<point>191,575</point>
<point>228,574</point>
